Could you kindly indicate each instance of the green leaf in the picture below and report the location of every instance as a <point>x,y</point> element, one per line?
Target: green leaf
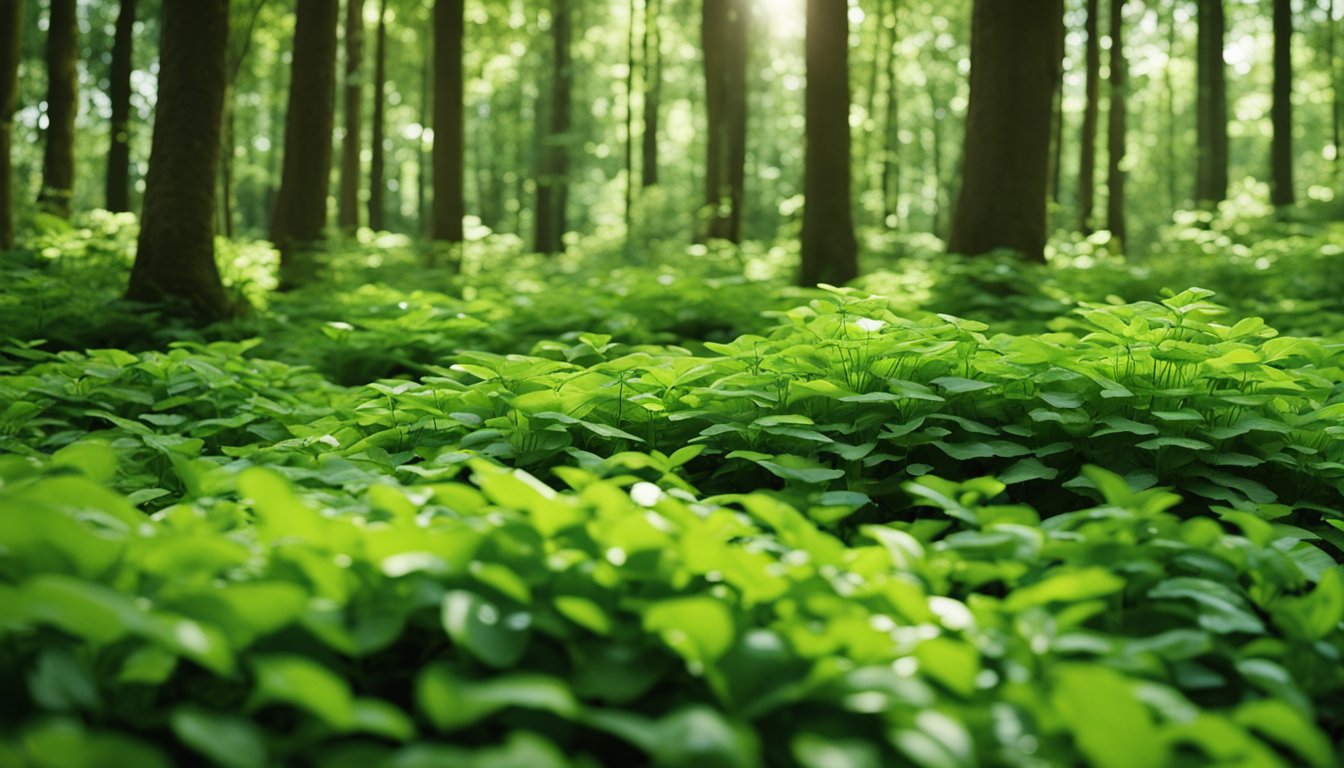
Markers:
<point>1110,725</point>
<point>232,742</point>
<point>1286,726</point>
<point>306,684</point>
<point>701,629</point>
<point>484,630</point>
<point>1073,586</point>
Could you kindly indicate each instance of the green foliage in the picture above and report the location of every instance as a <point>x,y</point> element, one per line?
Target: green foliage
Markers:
<point>850,532</point>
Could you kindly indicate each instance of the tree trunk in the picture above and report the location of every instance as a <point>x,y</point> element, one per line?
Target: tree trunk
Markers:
<point>378,149</point>
<point>1115,136</point>
<point>305,180</point>
<point>1211,111</point>
<point>1332,33</point>
<point>58,157</point>
<point>891,149</point>
<point>1014,66</point>
<point>11,50</point>
<point>553,185</point>
<point>118,192</point>
<point>449,156</point>
<point>226,144</point>
<point>653,86</point>
<point>724,28</point>
<point>1169,87</point>
<point>354,102</point>
<point>829,250</point>
<point>1281,176</point>
<point>1057,134</point>
<point>175,255</point>
<point>630,124</point>
<point>1087,160</point>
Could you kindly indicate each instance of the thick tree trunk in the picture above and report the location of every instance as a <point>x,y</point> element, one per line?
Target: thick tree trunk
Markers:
<point>1014,66</point>
<point>724,27</point>
<point>1087,160</point>
<point>1211,112</point>
<point>653,86</point>
<point>11,49</point>
<point>829,250</point>
<point>226,148</point>
<point>449,146</point>
<point>1115,174</point>
<point>175,255</point>
<point>118,192</point>
<point>553,184</point>
<point>58,156</point>
<point>1281,176</point>
<point>301,205</point>
<point>378,149</point>
<point>354,115</point>
<point>1057,134</point>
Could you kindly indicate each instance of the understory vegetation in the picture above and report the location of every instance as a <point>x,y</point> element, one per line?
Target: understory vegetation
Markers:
<point>627,509</point>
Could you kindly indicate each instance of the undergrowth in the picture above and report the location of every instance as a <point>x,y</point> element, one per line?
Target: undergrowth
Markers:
<point>559,514</point>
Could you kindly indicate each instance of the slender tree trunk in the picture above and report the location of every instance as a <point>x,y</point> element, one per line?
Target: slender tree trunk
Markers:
<point>553,185</point>
<point>891,151</point>
<point>1211,148</point>
<point>118,192</point>
<point>175,255</point>
<point>1332,32</point>
<point>11,50</point>
<point>630,124</point>
<point>1115,136</point>
<point>422,158</point>
<point>301,205</point>
<point>354,118</point>
<point>226,147</point>
<point>449,146</point>
<point>1087,159</point>
<point>873,143</point>
<point>1057,135</point>
<point>653,86</point>
<point>378,149</point>
<point>1014,66</point>
<point>58,158</point>
<point>725,25</point>
<point>1057,144</point>
<point>1169,86</point>
<point>1281,176</point>
<point>829,250</point>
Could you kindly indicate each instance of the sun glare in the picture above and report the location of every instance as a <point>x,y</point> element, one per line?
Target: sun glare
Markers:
<point>784,18</point>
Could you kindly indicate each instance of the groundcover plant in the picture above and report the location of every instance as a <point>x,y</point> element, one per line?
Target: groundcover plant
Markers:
<point>860,536</point>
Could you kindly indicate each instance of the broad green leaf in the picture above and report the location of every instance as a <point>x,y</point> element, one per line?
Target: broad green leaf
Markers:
<point>701,629</point>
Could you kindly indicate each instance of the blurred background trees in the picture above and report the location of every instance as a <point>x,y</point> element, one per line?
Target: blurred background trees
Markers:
<point>681,119</point>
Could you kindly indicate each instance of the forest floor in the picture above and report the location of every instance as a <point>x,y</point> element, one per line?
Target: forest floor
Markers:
<point>666,509</point>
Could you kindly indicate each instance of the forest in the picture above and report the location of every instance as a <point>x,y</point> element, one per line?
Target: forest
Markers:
<point>675,383</point>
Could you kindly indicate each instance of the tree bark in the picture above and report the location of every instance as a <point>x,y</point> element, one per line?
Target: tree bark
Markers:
<point>1087,160</point>
<point>175,254</point>
<point>305,180</point>
<point>724,28</point>
<point>11,50</point>
<point>1281,113</point>
<point>58,156</point>
<point>553,184</point>
<point>449,145</point>
<point>829,250</point>
<point>1211,110</point>
<point>1014,66</point>
<point>630,124</point>
<point>653,86</point>
<point>378,149</point>
<point>1115,135</point>
<point>891,149</point>
<point>118,192</point>
<point>354,103</point>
